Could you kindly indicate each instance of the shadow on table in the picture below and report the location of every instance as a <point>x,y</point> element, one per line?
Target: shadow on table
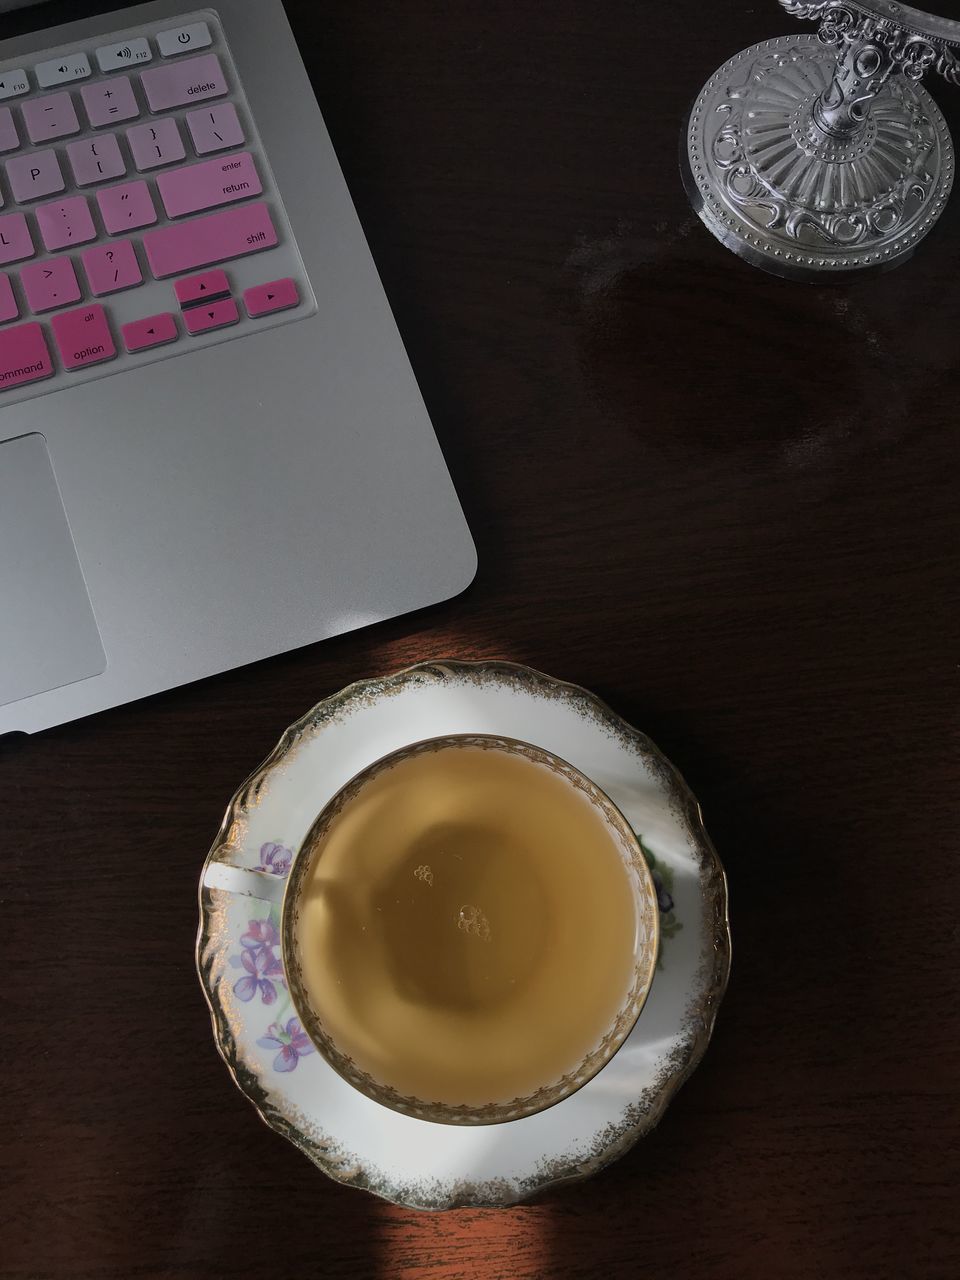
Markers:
<point>684,345</point>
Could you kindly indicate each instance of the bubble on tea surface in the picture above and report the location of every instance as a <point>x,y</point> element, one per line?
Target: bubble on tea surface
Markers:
<point>425,874</point>
<point>473,922</point>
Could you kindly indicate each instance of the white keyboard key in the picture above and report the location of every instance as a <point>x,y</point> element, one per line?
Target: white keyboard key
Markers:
<point>72,66</point>
<point>13,83</point>
<point>195,35</point>
<point>113,57</point>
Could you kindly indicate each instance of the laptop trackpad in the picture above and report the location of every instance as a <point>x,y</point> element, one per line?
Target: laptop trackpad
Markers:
<point>48,634</point>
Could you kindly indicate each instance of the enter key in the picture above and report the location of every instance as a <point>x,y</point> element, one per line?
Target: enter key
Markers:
<point>206,185</point>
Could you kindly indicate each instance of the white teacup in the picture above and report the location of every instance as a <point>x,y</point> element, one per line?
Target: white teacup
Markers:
<point>411,1006</point>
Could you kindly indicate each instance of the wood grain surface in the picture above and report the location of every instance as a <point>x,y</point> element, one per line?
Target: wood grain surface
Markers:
<point>726,503</point>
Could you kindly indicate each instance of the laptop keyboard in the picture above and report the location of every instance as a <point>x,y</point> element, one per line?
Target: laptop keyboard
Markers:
<point>139,218</point>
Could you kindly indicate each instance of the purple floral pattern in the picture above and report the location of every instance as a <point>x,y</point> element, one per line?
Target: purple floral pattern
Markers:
<point>292,1042</point>
<point>261,935</point>
<point>275,858</point>
<point>262,972</point>
<point>662,875</point>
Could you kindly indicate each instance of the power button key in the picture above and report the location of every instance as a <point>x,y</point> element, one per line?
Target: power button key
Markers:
<point>195,35</point>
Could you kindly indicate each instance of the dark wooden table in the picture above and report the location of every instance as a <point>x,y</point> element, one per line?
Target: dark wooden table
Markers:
<point>726,503</point>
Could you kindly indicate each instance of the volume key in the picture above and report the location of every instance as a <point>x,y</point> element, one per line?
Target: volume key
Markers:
<point>72,66</point>
<point>114,57</point>
<point>13,84</point>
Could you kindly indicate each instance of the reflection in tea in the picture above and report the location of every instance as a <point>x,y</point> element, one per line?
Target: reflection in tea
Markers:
<point>467,926</point>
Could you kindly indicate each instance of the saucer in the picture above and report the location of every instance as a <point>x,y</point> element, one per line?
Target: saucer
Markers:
<point>357,1141</point>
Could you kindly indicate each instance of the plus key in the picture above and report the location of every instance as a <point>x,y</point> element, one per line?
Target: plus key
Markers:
<point>110,102</point>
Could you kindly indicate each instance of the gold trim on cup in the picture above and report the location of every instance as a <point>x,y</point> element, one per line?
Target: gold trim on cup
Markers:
<point>553,1091</point>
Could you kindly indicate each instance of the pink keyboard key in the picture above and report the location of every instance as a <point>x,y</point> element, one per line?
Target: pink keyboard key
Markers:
<point>65,222</point>
<point>204,186</point>
<point>278,295</point>
<point>23,356</point>
<point>50,117</point>
<point>215,128</point>
<point>50,284</point>
<point>16,242</point>
<point>110,267</point>
<point>213,316</point>
<point>96,160</point>
<point>155,144</point>
<point>9,138</point>
<point>83,337</point>
<point>9,310</point>
<point>34,176</point>
<point>150,332</point>
<point>204,241</point>
<point>110,101</point>
<point>126,207</point>
<point>211,284</point>
<point>180,83</point>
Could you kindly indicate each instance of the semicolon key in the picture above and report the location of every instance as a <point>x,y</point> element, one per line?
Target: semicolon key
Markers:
<point>65,222</point>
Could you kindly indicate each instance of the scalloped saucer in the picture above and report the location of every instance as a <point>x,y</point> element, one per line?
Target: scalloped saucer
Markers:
<point>354,1139</point>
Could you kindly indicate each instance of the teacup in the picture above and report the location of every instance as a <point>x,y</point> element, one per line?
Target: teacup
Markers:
<point>469,929</point>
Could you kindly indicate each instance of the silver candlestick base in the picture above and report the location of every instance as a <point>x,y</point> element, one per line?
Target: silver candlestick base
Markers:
<point>821,154</point>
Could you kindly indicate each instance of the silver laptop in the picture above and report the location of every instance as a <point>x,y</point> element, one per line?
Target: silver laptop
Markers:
<point>212,446</point>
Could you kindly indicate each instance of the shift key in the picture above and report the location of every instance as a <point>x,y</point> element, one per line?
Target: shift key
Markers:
<point>184,246</point>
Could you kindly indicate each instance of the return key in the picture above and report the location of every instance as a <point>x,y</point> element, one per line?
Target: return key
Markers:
<point>206,185</point>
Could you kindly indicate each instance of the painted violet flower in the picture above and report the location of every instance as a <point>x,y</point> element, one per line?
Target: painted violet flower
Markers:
<point>262,968</point>
<point>664,897</point>
<point>260,935</point>
<point>275,858</point>
<point>292,1041</point>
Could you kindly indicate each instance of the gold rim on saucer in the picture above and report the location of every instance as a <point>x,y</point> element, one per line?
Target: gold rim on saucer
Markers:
<point>558,1165</point>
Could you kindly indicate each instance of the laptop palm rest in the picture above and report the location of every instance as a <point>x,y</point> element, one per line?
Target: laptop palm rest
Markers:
<point>48,634</point>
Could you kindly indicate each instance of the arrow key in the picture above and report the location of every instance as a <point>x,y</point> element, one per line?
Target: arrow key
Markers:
<point>217,315</point>
<point>277,295</point>
<point>152,331</point>
<point>204,287</point>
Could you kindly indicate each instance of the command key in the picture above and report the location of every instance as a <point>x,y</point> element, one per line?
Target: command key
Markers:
<point>23,356</point>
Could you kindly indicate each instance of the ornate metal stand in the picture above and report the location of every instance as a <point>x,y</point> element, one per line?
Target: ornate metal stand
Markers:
<point>823,154</point>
